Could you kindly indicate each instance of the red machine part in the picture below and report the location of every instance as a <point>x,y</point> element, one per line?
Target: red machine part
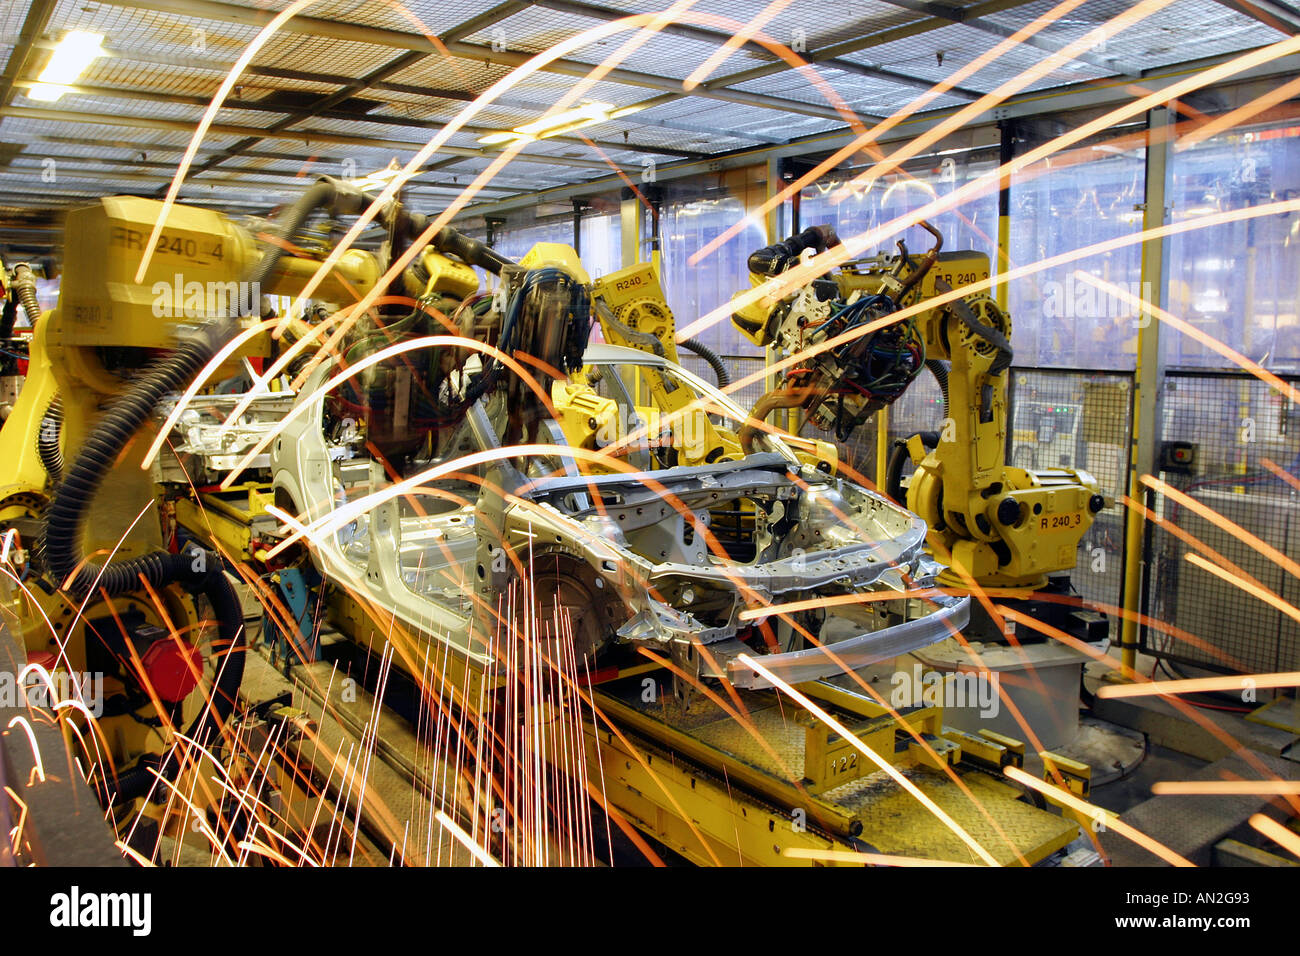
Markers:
<point>172,668</point>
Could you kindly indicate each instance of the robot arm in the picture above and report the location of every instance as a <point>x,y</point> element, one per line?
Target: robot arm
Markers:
<point>1003,526</point>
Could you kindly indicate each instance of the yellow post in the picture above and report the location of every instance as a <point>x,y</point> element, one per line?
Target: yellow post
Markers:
<point>630,231</point>
<point>882,447</point>
<point>1002,262</point>
<point>1145,377</point>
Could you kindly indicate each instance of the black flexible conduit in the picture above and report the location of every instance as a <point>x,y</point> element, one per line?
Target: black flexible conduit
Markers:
<point>47,440</point>
<point>897,459</point>
<point>710,356</point>
<point>939,369</point>
<point>201,571</point>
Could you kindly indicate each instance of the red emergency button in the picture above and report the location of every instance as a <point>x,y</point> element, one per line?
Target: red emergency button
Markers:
<point>173,668</point>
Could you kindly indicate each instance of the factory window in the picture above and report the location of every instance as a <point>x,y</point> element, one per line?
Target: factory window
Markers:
<point>693,215</point>
<point>1072,200</point>
<point>602,247</point>
<point>519,234</point>
<point>1236,281</point>
<point>855,205</point>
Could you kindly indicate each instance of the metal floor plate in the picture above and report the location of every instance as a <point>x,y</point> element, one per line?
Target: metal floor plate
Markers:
<point>894,822</point>
<point>1191,824</point>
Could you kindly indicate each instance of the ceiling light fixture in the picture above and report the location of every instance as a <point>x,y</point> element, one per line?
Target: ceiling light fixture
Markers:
<point>76,51</point>
<point>588,114</point>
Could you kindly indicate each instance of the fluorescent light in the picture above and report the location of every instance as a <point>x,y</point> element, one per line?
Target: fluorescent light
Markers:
<point>496,139</point>
<point>585,115</point>
<point>380,178</point>
<point>74,53</point>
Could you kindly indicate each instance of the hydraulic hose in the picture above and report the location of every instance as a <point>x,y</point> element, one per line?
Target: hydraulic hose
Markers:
<point>897,459</point>
<point>781,397</point>
<point>452,242</point>
<point>710,356</point>
<point>24,285</point>
<point>67,513</point>
<point>927,262</point>
<point>47,440</point>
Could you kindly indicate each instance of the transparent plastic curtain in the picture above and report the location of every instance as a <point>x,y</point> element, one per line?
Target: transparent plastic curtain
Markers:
<point>1238,282</point>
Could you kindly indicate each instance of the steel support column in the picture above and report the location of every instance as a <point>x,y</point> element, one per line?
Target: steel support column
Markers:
<point>1146,380</point>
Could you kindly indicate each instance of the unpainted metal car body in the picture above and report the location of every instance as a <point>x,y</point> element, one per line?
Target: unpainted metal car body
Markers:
<point>682,560</point>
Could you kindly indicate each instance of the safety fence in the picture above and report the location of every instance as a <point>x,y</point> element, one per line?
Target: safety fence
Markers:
<point>1225,531</point>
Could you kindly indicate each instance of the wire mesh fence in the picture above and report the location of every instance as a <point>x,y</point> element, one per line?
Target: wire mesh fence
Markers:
<point>1067,418</point>
<point>738,367</point>
<point>1220,539</point>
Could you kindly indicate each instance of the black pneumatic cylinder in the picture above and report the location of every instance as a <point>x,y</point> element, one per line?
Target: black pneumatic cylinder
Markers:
<point>776,258</point>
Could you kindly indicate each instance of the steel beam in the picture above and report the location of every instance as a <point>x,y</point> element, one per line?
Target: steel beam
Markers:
<point>320,136</point>
<point>38,16</point>
<point>428,92</point>
<point>596,12</point>
<point>165,171</point>
<point>1282,17</point>
<point>259,106</point>
<point>967,18</point>
<point>380,36</point>
<point>507,184</point>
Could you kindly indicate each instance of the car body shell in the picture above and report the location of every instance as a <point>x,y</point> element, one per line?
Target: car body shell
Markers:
<point>644,535</point>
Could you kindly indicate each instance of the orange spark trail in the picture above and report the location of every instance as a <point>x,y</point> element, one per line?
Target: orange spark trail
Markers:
<point>811,706</point>
<point>1276,832</point>
<point>1240,115</point>
<point>208,116</point>
<point>1192,331</point>
<point>768,610</point>
<point>1220,521</point>
<point>1226,787</point>
<point>735,42</point>
<point>819,265</point>
<point>1200,685</point>
<point>1255,590</point>
<point>1111,821</point>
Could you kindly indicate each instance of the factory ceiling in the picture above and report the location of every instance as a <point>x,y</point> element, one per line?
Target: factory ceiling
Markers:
<point>345,87</point>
